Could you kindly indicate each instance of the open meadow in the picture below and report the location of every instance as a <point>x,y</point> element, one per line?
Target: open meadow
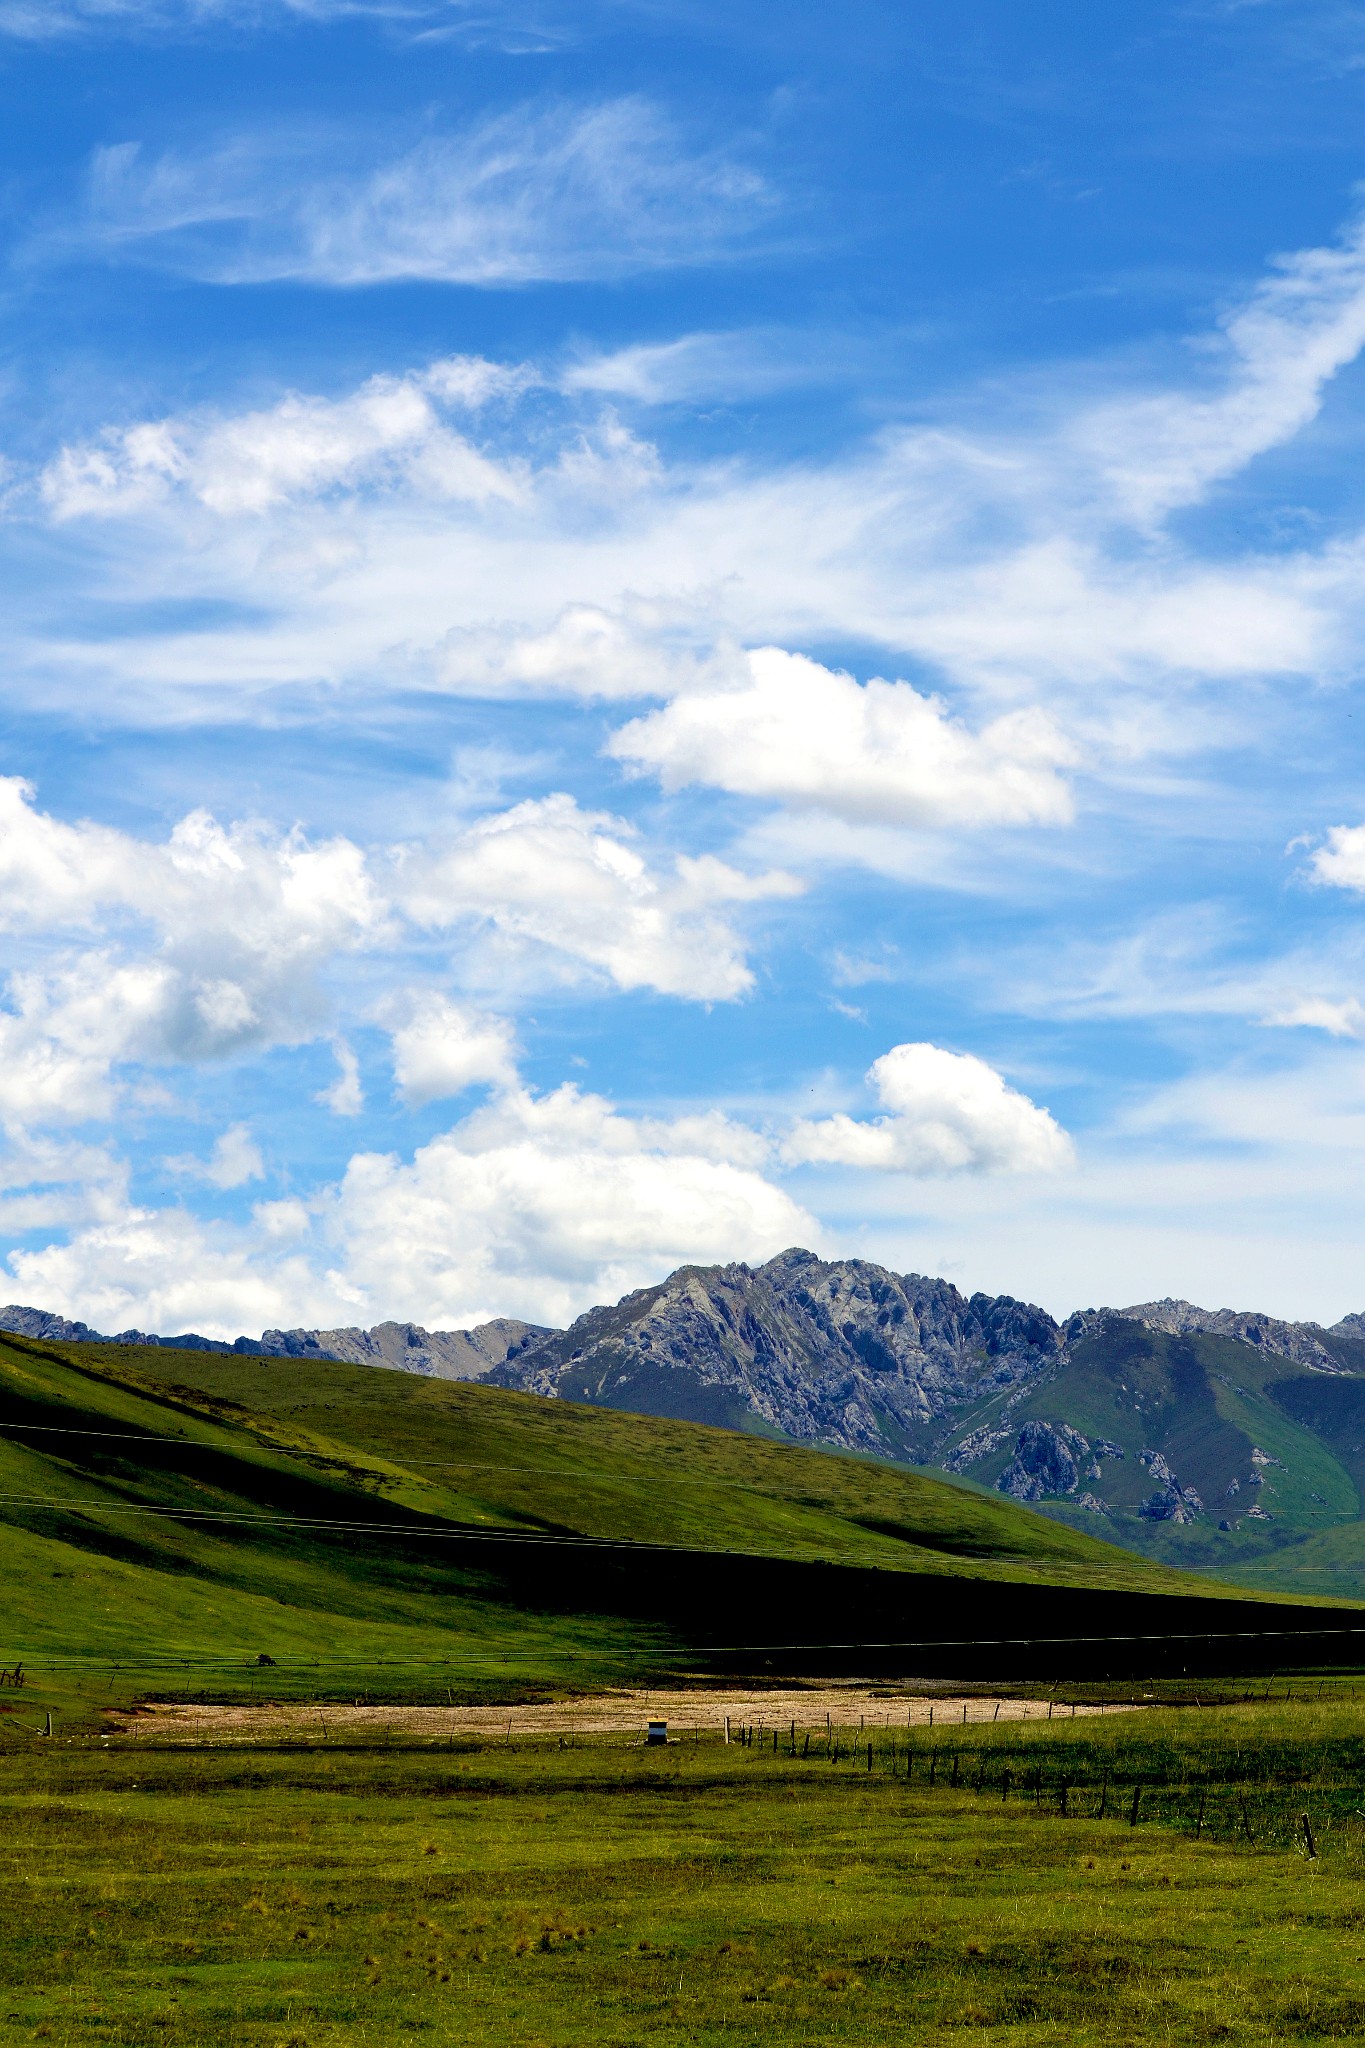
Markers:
<point>971,1882</point>
<point>321,1704</point>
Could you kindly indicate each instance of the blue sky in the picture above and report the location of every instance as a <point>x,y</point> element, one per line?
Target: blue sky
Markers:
<point>637,633</point>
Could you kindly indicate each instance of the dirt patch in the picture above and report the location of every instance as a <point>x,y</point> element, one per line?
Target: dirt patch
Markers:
<point>617,1713</point>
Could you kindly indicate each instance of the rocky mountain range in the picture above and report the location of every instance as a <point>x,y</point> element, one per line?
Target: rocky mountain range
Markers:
<point>406,1347</point>
<point>1175,1425</point>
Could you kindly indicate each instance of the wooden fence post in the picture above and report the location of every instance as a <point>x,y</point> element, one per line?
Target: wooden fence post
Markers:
<point>1137,1800</point>
<point>1306,1824</point>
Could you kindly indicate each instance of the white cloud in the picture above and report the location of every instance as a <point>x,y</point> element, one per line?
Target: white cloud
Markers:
<point>210,943</point>
<point>1341,861</point>
<point>223,934</point>
<point>223,940</point>
<point>235,1159</point>
<point>554,1202</point>
<point>548,191</point>
<point>367,540</point>
<point>877,752</point>
<point>345,1096</point>
<point>588,653</point>
<point>572,883</point>
<point>442,1048</point>
<point>1344,1019</point>
<point>165,1271</point>
<point>39,21</point>
<point>389,432</point>
<point>947,1113</point>
<point>49,1183</point>
<point>68,1027</point>
<point>746,364</point>
<point>1278,350</point>
<point>533,1206</point>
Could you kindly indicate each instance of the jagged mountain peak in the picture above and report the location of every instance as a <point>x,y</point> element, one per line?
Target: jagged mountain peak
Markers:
<point>1303,1342</point>
<point>839,1351</point>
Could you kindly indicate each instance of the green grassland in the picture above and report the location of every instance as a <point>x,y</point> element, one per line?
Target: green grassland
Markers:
<point>476,1454</point>
<point>326,1895</point>
<point>166,1517</point>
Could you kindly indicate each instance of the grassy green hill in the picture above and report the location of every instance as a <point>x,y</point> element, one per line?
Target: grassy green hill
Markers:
<point>1276,1452</point>
<point>182,1513</point>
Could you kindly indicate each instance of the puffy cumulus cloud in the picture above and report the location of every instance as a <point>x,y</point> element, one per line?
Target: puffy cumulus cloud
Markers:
<point>573,883</point>
<point>946,1113</point>
<point>554,1202</point>
<point>441,1048</point>
<point>875,752</point>
<point>209,943</point>
<point>1340,860</point>
<point>54,872</point>
<point>166,1271</point>
<point>390,432</point>
<point>67,1028</point>
<point>234,1160</point>
<point>223,940</point>
<point>540,191</point>
<point>274,896</point>
<point>533,1205</point>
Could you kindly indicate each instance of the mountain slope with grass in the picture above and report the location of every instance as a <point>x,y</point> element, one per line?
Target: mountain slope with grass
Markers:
<point>191,1512</point>
<point>1213,1452</point>
<point>1215,1440</point>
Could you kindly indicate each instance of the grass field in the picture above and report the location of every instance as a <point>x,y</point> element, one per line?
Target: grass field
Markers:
<point>167,1518</point>
<point>164,1520</point>
<point>481,1893</point>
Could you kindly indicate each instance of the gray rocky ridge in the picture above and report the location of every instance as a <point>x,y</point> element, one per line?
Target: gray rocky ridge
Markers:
<point>835,1351</point>
<point>404,1347</point>
<point>841,1352</point>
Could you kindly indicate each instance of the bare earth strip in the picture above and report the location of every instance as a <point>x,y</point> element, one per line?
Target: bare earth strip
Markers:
<point>617,1713</point>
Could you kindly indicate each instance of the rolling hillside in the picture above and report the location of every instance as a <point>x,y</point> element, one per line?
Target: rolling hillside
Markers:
<point>379,1531</point>
<point>1204,1450</point>
<point>1219,1441</point>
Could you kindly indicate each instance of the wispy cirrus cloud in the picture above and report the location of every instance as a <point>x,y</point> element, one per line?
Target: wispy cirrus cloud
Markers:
<point>540,191</point>
<point>47,20</point>
<point>1026,558</point>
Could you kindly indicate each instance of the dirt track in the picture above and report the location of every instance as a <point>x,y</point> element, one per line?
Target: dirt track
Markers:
<point>618,1713</point>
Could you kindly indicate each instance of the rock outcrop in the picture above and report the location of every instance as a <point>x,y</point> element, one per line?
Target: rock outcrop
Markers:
<point>407,1347</point>
<point>1303,1342</point>
<point>835,1351</point>
<point>1047,1461</point>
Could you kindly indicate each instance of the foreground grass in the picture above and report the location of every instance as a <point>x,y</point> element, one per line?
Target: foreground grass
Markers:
<point>538,1895</point>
